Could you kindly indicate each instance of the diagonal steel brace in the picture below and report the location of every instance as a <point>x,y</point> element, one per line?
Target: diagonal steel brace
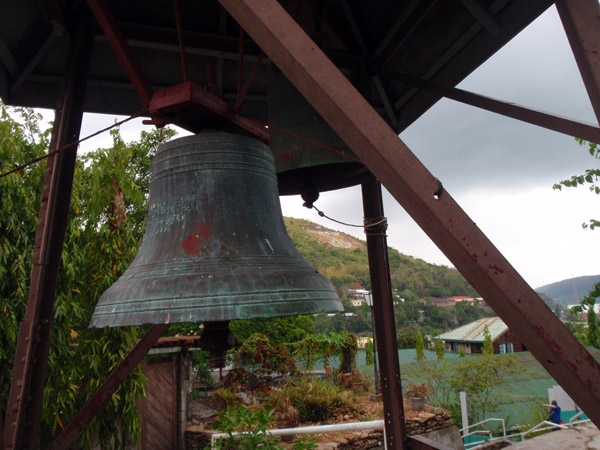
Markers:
<point>421,195</point>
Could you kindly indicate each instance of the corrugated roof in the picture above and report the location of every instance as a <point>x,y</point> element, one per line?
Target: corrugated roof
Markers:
<point>473,332</point>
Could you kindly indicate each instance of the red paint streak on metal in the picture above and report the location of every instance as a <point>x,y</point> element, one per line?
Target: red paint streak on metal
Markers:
<point>497,270</point>
<point>475,256</point>
<point>197,237</point>
<point>285,157</point>
<point>485,253</point>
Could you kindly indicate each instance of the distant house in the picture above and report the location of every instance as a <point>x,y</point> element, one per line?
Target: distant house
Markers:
<point>444,302</point>
<point>470,337</point>
<point>356,301</point>
<point>460,298</point>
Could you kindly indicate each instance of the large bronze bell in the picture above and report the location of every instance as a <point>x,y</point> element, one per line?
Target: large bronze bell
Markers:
<point>215,246</point>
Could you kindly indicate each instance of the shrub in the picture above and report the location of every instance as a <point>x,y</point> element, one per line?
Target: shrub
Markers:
<point>315,400</point>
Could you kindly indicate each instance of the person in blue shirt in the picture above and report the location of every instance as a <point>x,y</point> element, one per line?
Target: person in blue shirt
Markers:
<point>554,411</point>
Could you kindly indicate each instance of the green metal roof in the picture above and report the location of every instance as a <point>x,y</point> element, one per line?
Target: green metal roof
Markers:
<point>473,332</point>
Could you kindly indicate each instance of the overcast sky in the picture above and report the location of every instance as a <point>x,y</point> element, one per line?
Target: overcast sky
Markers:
<point>499,170</point>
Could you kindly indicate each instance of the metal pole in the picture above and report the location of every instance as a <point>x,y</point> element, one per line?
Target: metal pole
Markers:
<point>383,309</point>
<point>33,344</point>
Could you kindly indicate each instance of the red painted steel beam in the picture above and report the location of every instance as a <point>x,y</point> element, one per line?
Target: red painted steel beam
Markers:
<point>110,386</point>
<point>383,311</point>
<point>512,110</point>
<point>122,50</point>
<point>422,196</point>
<point>581,21</point>
<point>33,343</point>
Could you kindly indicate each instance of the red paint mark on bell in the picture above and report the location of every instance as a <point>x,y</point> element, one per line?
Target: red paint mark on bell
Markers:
<point>285,157</point>
<point>496,269</point>
<point>451,222</point>
<point>485,253</point>
<point>475,256</point>
<point>197,237</point>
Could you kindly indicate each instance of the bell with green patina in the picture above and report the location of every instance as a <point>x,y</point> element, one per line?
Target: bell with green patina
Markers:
<point>215,246</point>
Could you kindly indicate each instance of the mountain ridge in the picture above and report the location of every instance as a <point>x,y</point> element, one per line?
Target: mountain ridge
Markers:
<point>570,290</point>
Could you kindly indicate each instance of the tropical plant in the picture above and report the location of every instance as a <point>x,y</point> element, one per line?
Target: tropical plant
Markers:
<point>106,221</point>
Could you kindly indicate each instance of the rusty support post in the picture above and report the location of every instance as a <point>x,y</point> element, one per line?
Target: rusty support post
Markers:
<point>581,21</point>
<point>112,383</point>
<point>33,344</point>
<point>423,198</point>
<point>383,310</point>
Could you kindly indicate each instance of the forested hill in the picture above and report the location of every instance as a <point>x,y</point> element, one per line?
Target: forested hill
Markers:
<point>343,259</point>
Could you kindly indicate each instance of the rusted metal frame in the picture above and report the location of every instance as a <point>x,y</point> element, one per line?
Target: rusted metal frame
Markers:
<point>401,31</point>
<point>383,310</point>
<point>484,15</point>
<point>32,62</point>
<point>108,388</point>
<point>581,21</point>
<point>450,53</point>
<point>184,66</point>
<point>246,86</point>
<point>532,116</point>
<point>122,50</point>
<point>423,443</point>
<point>33,344</point>
<point>422,196</point>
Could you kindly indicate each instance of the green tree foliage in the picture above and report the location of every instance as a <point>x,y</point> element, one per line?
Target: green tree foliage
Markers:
<point>278,329</point>
<point>419,346</point>
<point>488,347</point>
<point>589,179</point>
<point>105,226</point>
<point>479,377</point>
<point>440,349</point>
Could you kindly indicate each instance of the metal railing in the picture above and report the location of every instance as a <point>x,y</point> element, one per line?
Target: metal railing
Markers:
<point>470,445</point>
<point>573,420</point>
<point>540,427</point>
